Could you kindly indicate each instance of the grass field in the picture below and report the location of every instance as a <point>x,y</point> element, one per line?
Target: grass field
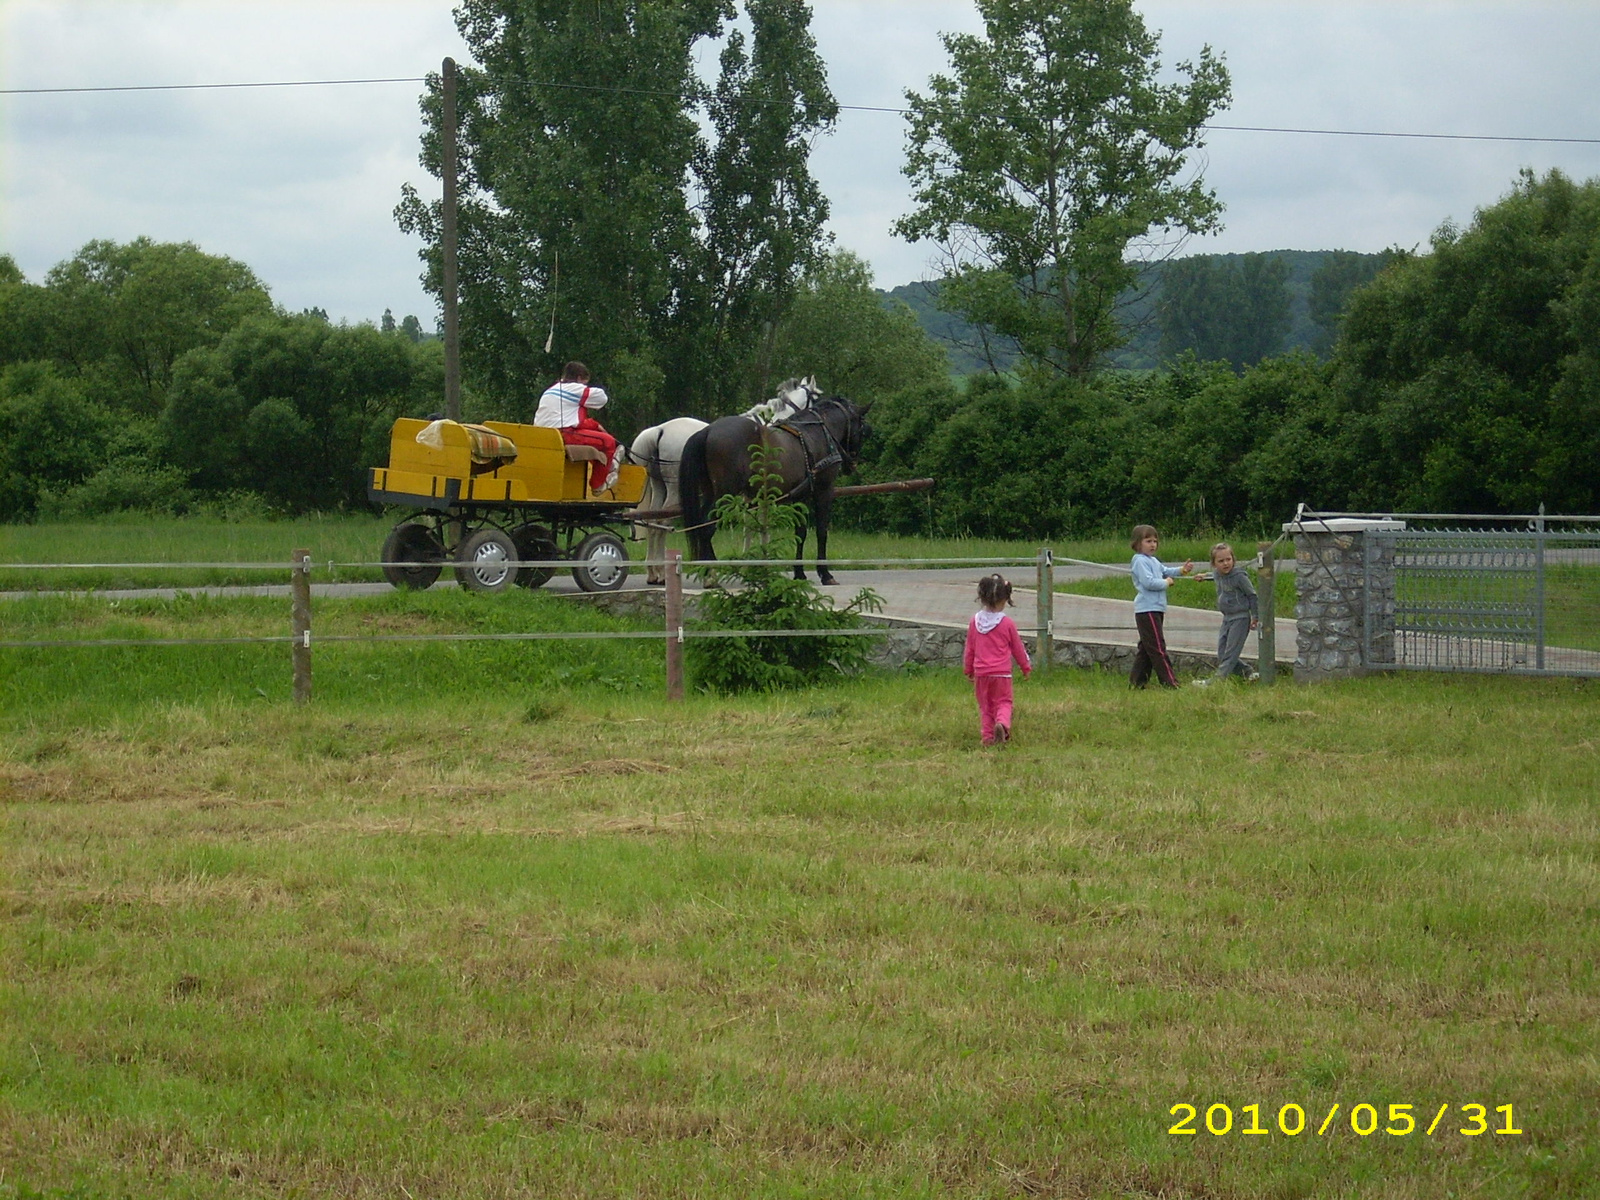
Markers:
<point>497,921</point>
<point>1572,606</point>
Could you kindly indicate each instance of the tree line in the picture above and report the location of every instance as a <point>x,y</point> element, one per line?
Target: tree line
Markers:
<point>155,377</point>
<point>664,228</point>
<point>1238,308</point>
<point>1464,379</point>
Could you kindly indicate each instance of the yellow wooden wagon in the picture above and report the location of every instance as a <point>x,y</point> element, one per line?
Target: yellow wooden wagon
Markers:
<point>494,495</point>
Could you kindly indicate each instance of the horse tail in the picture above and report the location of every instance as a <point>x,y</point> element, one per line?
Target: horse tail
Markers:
<point>694,490</point>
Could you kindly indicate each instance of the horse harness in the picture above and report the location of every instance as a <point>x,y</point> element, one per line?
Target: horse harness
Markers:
<point>835,456</point>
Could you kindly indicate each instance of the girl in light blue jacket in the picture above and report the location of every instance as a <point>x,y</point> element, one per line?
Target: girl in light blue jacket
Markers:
<point>1151,579</point>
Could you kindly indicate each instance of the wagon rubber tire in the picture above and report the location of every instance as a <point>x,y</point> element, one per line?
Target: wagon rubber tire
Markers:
<point>413,543</point>
<point>604,563</point>
<point>483,564</point>
<point>538,543</point>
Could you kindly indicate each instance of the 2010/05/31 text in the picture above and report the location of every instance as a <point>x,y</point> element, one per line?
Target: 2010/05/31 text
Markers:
<point>1364,1121</point>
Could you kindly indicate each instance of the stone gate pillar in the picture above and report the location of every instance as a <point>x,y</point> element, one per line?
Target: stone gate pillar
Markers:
<point>1342,577</point>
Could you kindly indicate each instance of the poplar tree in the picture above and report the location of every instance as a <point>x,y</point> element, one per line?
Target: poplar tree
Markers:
<point>597,218</point>
<point>575,142</point>
<point>763,213</point>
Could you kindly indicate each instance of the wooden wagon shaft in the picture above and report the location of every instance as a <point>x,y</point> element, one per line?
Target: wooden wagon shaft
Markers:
<point>874,489</point>
<point>854,489</point>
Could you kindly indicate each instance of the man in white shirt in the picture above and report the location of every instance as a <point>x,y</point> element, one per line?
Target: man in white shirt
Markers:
<point>565,405</point>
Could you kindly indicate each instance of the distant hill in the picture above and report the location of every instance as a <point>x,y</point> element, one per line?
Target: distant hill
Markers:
<point>963,343</point>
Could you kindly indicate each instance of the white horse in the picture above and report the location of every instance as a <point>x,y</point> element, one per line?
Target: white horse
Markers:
<point>659,450</point>
<point>793,396</point>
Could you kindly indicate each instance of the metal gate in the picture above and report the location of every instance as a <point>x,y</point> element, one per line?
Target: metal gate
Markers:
<point>1501,600</point>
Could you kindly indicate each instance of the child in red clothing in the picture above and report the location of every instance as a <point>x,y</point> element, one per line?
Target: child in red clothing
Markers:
<point>992,642</point>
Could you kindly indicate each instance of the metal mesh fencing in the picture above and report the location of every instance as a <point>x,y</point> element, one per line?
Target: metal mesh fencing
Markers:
<point>1491,597</point>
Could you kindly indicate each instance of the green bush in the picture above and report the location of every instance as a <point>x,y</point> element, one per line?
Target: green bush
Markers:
<point>119,487</point>
<point>767,599</point>
<point>291,407</point>
<point>771,600</point>
<point>51,436</point>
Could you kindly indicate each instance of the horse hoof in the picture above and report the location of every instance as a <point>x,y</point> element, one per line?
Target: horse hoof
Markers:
<point>827,580</point>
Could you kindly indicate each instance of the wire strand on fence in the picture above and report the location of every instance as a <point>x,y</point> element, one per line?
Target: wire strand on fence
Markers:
<point>567,563</point>
<point>1057,630</point>
<point>168,566</point>
<point>348,638</point>
<point>1060,633</point>
<point>711,563</point>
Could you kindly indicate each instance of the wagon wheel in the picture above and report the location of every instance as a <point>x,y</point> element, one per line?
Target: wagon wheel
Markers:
<point>538,543</point>
<point>484,562</point>
<point>413,543</point>
<point>604,562</point>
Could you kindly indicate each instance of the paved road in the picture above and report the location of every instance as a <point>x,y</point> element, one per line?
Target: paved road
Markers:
<point>949,597</point>
<point>935,596</point>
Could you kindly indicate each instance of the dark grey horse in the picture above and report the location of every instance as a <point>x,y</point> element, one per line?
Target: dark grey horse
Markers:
<point>813,449</point>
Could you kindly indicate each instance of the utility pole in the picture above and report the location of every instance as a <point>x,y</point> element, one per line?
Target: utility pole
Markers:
<point>452,322</point>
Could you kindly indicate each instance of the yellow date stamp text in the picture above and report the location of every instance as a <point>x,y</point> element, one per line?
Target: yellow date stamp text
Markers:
<point>1363,1120</point>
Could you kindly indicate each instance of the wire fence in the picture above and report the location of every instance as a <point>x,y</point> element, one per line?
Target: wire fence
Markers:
<point>675,632</point>
<point>652,635</point>
<point>686,566</point>
<point>567,564</point>
<point>1562,600</point>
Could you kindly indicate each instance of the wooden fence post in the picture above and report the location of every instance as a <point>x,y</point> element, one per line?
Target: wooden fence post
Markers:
<point>1267,604</point>
<point>674,625</point>
<point>300,624</point>
<point>1045,643</point>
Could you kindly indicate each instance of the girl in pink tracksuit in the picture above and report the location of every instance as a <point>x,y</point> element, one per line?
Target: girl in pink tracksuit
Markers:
<point>992,642</point>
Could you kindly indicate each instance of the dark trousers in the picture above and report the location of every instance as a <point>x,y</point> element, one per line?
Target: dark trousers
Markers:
<point>1152,655</point>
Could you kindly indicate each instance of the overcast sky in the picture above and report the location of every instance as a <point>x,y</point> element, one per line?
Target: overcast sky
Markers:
<point>301,183</point>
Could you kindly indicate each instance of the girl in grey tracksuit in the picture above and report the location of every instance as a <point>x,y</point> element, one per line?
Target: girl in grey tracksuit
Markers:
<point>1236,600</point>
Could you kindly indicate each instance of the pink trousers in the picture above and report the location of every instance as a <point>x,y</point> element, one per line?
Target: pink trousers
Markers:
<point>994,704</point>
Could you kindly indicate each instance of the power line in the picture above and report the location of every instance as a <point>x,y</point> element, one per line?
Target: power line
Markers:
<point>1451,137</point>
<point>204,87</point>
<point>592,87</point>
